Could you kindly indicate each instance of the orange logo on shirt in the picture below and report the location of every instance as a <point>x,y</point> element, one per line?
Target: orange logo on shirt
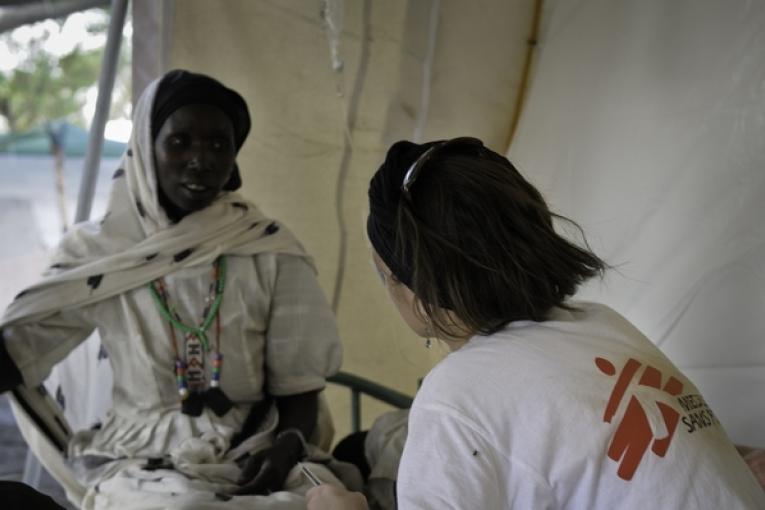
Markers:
<point>633,435</point>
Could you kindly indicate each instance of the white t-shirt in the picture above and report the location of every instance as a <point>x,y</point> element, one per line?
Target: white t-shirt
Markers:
<point>578,412</point>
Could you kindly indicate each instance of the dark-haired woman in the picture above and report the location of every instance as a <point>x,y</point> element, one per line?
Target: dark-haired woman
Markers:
<point>543,402</point>
<point>208,310</point>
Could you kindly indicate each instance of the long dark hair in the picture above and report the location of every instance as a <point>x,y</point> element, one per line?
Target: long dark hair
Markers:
<point>473,239</point>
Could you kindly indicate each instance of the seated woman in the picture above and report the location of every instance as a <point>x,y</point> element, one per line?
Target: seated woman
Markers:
<point>215,326</point>
<point>544,402</point>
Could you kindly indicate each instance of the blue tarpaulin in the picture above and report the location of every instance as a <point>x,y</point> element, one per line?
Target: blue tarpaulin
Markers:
<point>37,141</point>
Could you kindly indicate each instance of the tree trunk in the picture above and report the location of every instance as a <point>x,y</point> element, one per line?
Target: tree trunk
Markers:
<point>57,148</point>
<point>58,156</point>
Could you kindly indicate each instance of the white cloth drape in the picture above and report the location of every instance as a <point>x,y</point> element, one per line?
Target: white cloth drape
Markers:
<point>645,123</point>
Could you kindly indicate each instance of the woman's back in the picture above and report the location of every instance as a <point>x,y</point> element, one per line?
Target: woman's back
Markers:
<point>580,411</point>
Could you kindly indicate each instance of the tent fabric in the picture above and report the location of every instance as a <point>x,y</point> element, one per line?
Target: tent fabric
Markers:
<point>410,68</point>
<point>645,123</point>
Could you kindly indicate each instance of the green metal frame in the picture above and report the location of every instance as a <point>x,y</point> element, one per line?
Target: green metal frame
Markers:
<point>359,385</point>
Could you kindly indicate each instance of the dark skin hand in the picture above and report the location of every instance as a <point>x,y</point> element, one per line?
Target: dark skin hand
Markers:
<point>266,471</point>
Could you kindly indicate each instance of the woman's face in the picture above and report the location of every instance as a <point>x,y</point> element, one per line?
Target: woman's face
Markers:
<point>403,297</point>
<point>194,153</point>
<point>408,307</point>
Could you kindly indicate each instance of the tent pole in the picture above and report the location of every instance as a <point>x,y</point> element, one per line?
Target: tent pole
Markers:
<point>32,467</point>
<point>103,103</point>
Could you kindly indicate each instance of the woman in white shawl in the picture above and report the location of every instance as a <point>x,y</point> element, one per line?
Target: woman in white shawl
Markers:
<point>216,330</point>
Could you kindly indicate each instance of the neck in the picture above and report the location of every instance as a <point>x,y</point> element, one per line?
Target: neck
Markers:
<point>455,343</point>
<point>457,335</point>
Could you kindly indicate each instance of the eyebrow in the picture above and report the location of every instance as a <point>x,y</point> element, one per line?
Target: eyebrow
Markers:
<point>182,130</point>
<point>219,132</point>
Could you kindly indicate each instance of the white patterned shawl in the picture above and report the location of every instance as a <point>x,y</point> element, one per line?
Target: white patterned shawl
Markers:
<point>136,242</point>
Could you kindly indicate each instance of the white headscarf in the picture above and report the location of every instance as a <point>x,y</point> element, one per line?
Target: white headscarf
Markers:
<point>136,242</point>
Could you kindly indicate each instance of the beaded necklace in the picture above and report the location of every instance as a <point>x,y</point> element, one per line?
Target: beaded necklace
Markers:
<point>189,369</point>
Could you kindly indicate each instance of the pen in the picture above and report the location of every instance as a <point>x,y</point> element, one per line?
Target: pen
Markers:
<point>309,474</point>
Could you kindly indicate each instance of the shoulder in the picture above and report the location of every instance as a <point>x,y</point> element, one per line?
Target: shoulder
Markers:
<point>591,312</point>
<point>474,380</point>
<point>527,361</point>
<point>282,267</point>
<point>292,261</point>
<point>270,260</point>
<point>582,313</point>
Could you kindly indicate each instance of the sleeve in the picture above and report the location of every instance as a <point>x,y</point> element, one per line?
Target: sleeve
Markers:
<point>449,464</point>
<point>35,348</point>
<point>302,343</point>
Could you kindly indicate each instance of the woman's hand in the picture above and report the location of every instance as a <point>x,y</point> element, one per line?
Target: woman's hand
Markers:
<point>329,497</point>
<point>266,471</point>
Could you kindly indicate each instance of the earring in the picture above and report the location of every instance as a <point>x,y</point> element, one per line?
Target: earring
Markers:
<point>428,334</point>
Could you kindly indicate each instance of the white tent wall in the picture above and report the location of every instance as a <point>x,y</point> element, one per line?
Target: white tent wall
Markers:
<point>645,123</point>
<point>411,69</point>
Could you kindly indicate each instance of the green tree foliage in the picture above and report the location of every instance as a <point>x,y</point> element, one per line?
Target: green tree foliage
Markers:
<point>46,87</point>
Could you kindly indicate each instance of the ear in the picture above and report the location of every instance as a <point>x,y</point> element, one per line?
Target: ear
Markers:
<point>235,181</point>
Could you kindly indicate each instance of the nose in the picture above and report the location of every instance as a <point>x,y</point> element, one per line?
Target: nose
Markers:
<point>198,159</point>
<point>195,161</point>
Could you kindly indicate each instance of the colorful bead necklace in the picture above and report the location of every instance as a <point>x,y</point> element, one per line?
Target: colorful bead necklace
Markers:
<point>189,369</point>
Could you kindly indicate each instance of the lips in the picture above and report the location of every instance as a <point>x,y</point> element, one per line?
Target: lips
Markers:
<point>197,188</point>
